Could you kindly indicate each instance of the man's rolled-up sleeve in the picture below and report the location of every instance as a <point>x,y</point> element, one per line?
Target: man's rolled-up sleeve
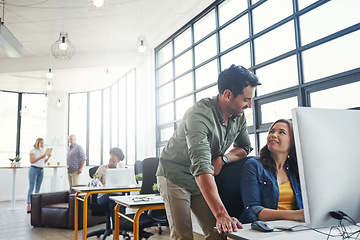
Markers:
<point>196,134</point>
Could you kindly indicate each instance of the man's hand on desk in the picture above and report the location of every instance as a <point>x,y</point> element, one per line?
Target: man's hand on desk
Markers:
<point>226,224</point>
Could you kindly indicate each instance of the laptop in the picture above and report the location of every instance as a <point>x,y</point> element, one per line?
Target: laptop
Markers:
<point>118,177</point>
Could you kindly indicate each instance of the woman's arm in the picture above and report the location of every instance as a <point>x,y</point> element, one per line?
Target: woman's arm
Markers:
<point>33,159</point>
<point>271,214</point>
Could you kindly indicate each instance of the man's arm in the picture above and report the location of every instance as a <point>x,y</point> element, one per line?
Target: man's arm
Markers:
<point>234,155</point>
<point>208,188</point>
<point>81,166</point>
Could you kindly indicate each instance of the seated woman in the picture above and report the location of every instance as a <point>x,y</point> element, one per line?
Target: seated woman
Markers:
<point>116,158</point>
<point>270,185</point>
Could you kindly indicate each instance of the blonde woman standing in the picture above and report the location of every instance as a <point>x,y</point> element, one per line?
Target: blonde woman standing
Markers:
<point>36,171</point>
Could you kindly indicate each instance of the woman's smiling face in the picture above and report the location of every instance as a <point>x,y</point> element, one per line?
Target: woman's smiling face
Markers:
<point>278,139</point>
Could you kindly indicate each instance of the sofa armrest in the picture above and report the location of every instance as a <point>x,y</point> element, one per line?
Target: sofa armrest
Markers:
<point>36,210</point>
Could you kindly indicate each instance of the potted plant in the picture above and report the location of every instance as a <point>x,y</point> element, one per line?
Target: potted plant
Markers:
<point>139,178</point>
<point>155,189</point>
<point>17,161</point>
<point>12,164</point>
<point>95,181</point>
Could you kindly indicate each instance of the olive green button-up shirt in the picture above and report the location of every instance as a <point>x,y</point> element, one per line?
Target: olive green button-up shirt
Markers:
<point>201,136</point>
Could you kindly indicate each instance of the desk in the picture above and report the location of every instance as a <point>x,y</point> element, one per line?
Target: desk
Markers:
<point>92,190</point>
<point>53,185</point>
<point>155,202</point>
<point>13,185</point>
<point>299,233</point>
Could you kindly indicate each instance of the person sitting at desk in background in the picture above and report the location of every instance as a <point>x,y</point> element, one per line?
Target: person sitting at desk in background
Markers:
<point>116,158</point>
<point>270,186</point>
<point>36,171</point>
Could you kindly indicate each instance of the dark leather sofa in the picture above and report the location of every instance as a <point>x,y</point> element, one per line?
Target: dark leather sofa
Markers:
<point>56,209</point>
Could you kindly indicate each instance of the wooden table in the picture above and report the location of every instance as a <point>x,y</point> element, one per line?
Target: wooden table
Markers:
<point>13,185</point>
<point>93,190</point>
<point>152,202</point>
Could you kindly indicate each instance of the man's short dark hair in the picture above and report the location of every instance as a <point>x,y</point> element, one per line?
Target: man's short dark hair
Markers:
<point>236,78</point>
<point>117,152</point>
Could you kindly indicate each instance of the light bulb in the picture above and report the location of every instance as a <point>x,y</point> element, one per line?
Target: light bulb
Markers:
<point>98,3</point>
<point>142,47</point>
<point>49,86</point>
<point>59,103</point>
<point>49,74</point>
<point>63,46</point>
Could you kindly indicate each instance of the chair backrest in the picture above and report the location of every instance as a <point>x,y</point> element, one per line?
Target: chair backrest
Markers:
<point>138,167</point>
<point>149,166</point>
<point>92,171</point>
<point>228,183</point>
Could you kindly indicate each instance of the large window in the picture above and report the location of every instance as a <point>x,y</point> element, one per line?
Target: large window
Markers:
<point>301,53</point>
<point>105,119</point>
<point>22,121</point>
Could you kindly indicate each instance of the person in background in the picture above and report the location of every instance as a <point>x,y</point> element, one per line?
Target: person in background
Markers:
<point>75,161</point>
<point>116,156</point>
<point>195,153</point>
<point>36,171</point>
<point>270,186</point>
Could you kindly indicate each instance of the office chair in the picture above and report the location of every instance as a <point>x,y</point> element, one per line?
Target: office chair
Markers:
<point>228,184</point>
<point>149,166</point>
<point>97,210</point>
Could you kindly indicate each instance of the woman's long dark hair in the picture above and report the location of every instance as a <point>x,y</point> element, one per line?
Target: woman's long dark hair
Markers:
<point>265,155</point>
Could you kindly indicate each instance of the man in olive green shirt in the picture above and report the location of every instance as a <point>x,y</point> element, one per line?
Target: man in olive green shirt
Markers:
<point>195,153</point>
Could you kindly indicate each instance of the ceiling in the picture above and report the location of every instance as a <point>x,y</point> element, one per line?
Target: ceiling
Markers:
<point>104,40</point>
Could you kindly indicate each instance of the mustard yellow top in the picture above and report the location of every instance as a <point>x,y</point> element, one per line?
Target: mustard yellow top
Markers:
<point>286,197</point>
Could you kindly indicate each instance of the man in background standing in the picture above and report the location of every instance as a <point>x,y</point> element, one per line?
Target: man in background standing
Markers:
<point>75,161</point>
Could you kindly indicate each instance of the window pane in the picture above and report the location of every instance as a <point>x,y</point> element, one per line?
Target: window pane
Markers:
<point>183,105</point>
<point>106,125</point>
<point>273,111</point>
<point>165,54</point>
<point>206,74</point>
<point>33,123</point>
<point>183,41</point>
<point>95,129</point>
<point>166,93</point>
<point>166,133</point>
<point>279,75</point>
<point>305,3</point>
<point>165,73</point>
<point>131,120</point>
<point>204,26</point>
<point>271,12</point>
<point>274,43</point>
<point>239,56</point>
<point>234,33</point>
<point>207,93</point>
<point>330,98</point>
<point>122,115</point>
<point>205,50</point>
<point>166,113</point>
<point>252,140</point>
<point>262,139</point>
<point>184,85</point>
<point>183,63</point>
<point>77,118</point>
<point>114,116</point>
<point>333,57</point>
<point>249,117</point>
<point>8,126</point>
<point>229,9</point>
<point>321,22</point>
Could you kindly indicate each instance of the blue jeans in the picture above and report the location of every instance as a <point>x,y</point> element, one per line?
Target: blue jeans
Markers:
<point>36,175</point>
<point>105,201</point>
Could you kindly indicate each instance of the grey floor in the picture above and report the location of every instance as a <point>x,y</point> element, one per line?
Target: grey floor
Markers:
<point>15,225</point>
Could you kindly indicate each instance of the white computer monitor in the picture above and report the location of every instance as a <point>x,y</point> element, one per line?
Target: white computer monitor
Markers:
<point>327,144</point>
<point>119,177</point>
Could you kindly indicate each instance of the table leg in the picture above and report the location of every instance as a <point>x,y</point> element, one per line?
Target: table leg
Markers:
<point>116,222</point>
<point>76,210</point>
<point>136,230</point>
<point>85,215</point>
<point>53,188</point>
<point>13,190</point>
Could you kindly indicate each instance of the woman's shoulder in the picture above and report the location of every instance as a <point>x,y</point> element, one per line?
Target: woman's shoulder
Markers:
<point>34,150</point>
<point>253,161</point>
